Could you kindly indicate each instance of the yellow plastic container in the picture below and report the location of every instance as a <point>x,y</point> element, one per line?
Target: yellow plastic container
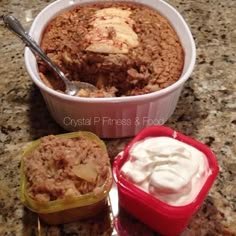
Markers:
<point>62,211</point>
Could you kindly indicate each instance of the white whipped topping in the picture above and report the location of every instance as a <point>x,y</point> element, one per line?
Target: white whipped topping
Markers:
<point>170,170</point>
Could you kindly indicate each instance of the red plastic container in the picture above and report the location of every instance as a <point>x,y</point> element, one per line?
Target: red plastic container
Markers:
<point>162,217</point>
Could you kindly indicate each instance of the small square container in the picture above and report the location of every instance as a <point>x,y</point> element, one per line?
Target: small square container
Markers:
<point>162,217</point>
<point>70,209</point>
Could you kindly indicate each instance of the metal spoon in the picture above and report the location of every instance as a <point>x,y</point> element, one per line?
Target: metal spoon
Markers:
<point>14,25</point>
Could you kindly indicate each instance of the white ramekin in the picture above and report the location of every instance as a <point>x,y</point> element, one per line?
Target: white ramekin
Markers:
<point>112,117</point>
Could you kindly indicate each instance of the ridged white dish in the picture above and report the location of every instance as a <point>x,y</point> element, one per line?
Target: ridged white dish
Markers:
<point>112,117</point>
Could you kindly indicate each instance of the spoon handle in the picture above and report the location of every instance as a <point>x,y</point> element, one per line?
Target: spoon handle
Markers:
<point>14,25</point>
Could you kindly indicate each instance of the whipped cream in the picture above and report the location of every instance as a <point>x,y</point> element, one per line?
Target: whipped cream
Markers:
<point>170,170</point>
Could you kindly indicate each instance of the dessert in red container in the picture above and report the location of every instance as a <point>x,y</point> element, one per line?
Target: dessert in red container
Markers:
<point>163,177</point>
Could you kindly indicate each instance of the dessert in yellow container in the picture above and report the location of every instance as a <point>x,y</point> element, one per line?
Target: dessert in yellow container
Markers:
<point>65,177</point>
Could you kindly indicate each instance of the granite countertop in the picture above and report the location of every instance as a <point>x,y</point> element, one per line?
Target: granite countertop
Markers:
<point>206,111</point>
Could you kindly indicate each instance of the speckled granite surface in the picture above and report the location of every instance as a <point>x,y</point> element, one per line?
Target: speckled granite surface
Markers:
<point>206,111</point>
